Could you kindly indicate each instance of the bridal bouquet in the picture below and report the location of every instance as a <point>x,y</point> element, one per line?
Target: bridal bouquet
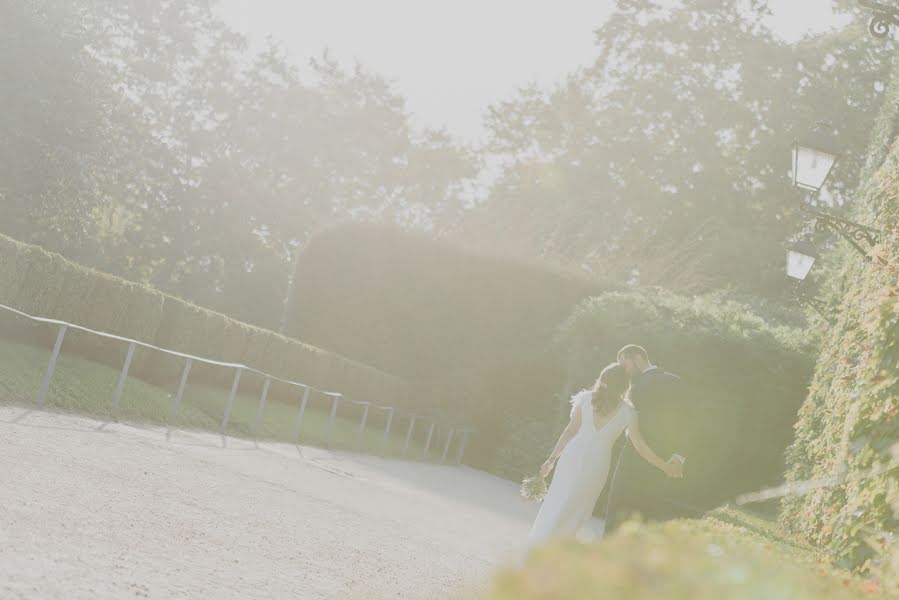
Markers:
<point>533,488</point>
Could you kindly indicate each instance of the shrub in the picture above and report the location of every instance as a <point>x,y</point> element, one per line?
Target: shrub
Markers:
<point>745,379</point>
<point>13,269</point>
<point>113,303</point>
<point>421,308</point>
<point>41,289</point>
<point>724,555</point>
<point>472,332</point>
<point>849,424</point>
<point>47,285</point>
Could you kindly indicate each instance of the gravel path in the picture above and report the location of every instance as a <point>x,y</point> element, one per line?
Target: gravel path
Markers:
<point>94,510</point>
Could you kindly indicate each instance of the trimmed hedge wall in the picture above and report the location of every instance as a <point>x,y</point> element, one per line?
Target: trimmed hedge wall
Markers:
<point>849,424</point>
<point>744,381</point>
<point>420,308</point>
<point>472,332</point>
<point>47,285</point>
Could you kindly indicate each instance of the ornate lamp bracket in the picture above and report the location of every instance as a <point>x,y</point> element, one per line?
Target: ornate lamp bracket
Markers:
<point>883,17</point>
<point>853,233</point>
<point>816,304</point>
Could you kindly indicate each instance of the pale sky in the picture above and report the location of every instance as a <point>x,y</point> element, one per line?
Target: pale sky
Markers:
<point>451,59</point>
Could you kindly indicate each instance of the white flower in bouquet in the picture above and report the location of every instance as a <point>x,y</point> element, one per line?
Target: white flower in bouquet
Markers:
<point>533,488</point>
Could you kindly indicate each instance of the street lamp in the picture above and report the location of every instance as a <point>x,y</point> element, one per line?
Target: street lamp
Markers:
<point>814,155</point>
<point>801,258</point>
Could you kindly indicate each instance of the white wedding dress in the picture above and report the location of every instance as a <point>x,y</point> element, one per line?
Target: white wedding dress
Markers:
<point>581,472</point>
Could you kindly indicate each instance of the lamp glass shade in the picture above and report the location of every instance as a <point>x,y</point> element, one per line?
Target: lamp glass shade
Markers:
<point>800,260</point>
<point>811,167</point>
<point>814,155</point>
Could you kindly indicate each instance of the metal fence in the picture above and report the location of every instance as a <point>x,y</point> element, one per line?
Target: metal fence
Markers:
<point>455,434</point>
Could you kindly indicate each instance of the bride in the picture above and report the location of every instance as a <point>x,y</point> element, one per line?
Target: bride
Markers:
<point>598,417</point>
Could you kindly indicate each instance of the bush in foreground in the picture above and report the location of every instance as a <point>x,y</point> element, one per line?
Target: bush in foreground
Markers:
<point>728,554</point>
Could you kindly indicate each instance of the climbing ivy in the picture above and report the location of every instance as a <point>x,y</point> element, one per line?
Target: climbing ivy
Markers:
<point>849,424</point>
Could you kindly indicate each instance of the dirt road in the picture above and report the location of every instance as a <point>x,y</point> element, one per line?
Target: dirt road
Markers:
<point>94,510</point>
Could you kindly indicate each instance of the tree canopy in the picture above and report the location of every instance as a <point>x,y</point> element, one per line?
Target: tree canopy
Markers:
<point>149,140</point>
<point>665,162</point>
<point>146,139</point>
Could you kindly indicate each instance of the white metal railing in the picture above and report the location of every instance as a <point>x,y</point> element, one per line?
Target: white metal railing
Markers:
<point>189,359</point>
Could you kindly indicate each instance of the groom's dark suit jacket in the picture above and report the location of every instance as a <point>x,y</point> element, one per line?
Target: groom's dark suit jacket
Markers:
<point>663,414</point>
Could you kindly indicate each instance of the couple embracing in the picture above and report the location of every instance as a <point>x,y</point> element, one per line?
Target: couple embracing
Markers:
<point>631,396</point>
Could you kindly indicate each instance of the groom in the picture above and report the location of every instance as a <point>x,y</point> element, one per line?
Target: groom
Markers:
<point>635,486</point>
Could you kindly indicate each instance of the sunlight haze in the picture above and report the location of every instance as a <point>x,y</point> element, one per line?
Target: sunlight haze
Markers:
<point>453,59</point>
<point>499,300</point>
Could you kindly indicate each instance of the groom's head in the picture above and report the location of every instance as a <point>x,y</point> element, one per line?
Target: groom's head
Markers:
<point>634,359</point>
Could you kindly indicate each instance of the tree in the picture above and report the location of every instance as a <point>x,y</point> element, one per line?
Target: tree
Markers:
<point>56,126</point>
<point>147,140</point>
<point>665,162</point>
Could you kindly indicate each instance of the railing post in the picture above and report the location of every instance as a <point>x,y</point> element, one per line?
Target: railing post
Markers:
<point>262,399</point>
<point>51,367</point>
<point>409,434</point>
<point>180,395</point>
<point>365,407</point>
<point>296,429</point>
<point>430,435</point>
<point>449,441</point>
<point>230,405</point>
<point>390,411</point>
<point>462,444</point>
<point>335,398</point>
<point>123,376</point>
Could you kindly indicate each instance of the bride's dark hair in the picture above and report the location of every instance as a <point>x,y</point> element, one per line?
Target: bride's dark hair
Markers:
<point>609,389</point>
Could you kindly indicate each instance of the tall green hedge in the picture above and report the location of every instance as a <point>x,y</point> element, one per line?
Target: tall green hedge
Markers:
<point>849,425</point>
<point>47,285</point>
<point>744,380</point>
<point>422,308</point>
<point>472,332</point>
